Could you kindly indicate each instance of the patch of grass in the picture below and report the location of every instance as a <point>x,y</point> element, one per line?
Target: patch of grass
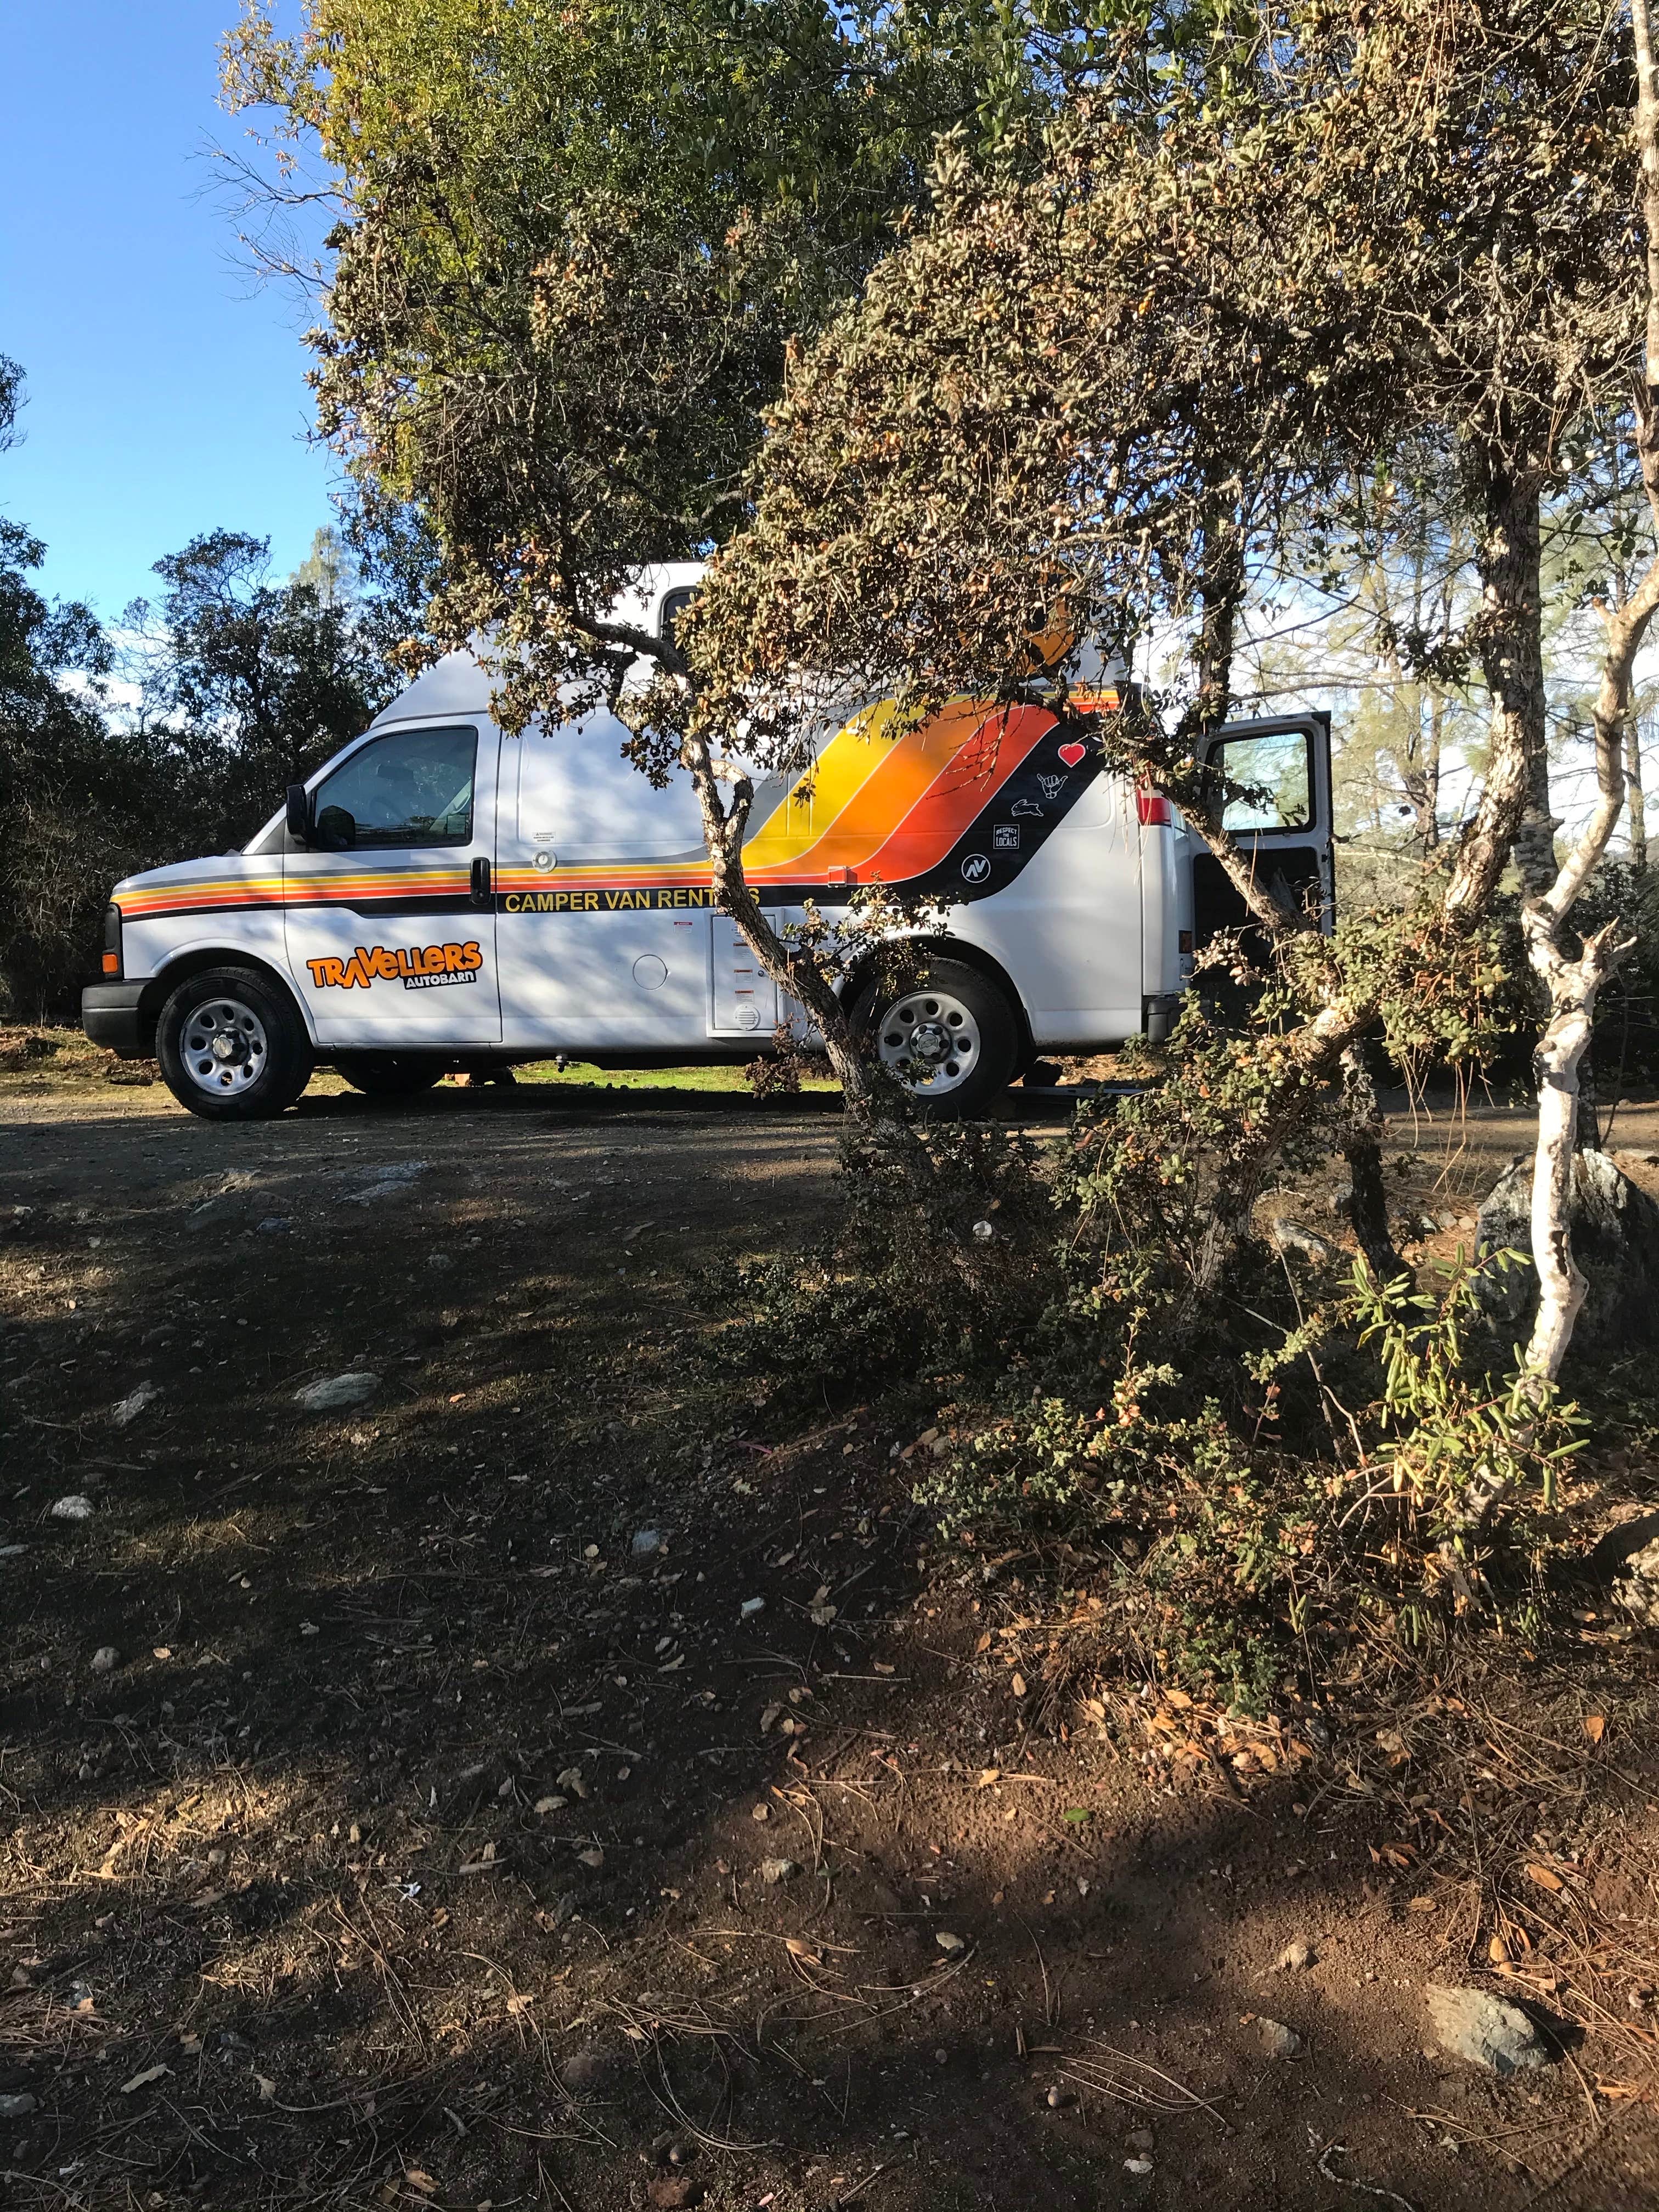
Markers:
<point>583,1074</point>
<point>42,1057</point>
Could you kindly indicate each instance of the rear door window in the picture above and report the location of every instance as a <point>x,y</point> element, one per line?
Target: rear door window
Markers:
<point>1275,771</point>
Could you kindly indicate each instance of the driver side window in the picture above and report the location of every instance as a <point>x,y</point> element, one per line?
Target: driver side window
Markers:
<point>411,787</point>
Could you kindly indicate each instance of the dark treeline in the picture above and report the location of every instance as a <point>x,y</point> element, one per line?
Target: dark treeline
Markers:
<point>175,733</point>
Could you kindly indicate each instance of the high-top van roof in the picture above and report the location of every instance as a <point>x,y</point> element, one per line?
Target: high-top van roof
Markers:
<point>457,685</point>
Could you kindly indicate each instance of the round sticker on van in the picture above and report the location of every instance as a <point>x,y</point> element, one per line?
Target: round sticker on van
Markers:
<point>547,860</point>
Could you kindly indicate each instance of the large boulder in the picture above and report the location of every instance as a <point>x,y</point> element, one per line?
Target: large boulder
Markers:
<point>1615,1240</point>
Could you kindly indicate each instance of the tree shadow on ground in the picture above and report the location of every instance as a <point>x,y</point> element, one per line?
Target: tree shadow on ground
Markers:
<point>413,1829</point>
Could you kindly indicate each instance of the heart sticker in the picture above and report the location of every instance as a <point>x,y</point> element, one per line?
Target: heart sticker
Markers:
<point>1072,754</point>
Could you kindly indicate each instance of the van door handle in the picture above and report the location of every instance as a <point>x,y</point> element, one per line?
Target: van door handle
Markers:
<point>480,881</point>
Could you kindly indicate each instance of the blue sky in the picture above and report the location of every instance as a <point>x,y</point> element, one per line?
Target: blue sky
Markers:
<point>165,386</point>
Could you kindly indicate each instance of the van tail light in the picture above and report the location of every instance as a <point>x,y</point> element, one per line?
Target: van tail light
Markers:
<point>110,962</point>
<point>1156,812</point>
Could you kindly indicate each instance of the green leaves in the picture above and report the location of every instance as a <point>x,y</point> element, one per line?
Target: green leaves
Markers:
<point>1447,1429</point>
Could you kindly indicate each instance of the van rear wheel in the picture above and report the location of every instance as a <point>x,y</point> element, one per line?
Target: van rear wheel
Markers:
<point>952,1040</point>
<point>388,1075</point>
<point>233,1046</point>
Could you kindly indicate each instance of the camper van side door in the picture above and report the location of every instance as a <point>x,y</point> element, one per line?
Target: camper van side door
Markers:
<point>386,904</point>
<point>602,896</point>
<point>1282,820</point>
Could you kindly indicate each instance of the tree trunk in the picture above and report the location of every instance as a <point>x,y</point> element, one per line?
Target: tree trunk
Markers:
<point>1637,798</point>
<point>1570,981</point>
<point>869,1095</point>
<point>1572,985</point>
<point>1368,1206</point>
<point>1511,655</point>
<point>1222,587</point>
<point>1428,812</point>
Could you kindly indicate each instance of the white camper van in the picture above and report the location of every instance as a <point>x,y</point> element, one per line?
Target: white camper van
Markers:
<point>442,896</point>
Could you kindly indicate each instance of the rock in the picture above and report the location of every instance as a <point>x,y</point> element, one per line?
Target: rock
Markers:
<point>750,1606</point>
<point>582,2069</point>
<point>1278,2040</point>
<point>1059,2099</point>
<point>1615,1240</point>
<point>386,1181</point>
<point>952,1946</point>
<point>440,1262</point>
<point>16,2108</point>
<point>1295,1958</point>
<point>671,2192</point>
<point>128,1409</point>
<point>773,1871</point>
<point>1340,1199</point>
<point>1140,2139</point>
<point>646,1543</point>
<point>274,1225</point>
<point>1486,2030</point>
<point>984,1232</point>
<point>106,1659</point>
<point>336,1392</point>
<point>1288,1236</point>
<point>1636,1591</point>
<point>74,1507</point>
<point>1141,2166</point>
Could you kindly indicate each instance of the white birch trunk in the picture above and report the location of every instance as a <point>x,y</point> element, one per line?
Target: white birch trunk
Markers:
<point>1572,980</point>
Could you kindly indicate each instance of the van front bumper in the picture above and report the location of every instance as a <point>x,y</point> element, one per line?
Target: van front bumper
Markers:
<point>110,1015</point>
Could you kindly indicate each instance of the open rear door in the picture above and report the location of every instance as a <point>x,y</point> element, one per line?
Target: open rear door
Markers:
<point>1284,824</point>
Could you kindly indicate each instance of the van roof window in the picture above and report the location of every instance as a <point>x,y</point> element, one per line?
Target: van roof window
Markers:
<point>673,606</point>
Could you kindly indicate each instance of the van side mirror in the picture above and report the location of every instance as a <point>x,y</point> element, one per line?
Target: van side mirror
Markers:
<point>299,813</point>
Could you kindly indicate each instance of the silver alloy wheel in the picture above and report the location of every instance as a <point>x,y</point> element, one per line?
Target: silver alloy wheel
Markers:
<point>222,1045</point>
<point>930,1041</point>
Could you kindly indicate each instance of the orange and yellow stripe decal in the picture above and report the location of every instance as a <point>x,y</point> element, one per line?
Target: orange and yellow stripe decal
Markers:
<point>360,887</point>
<point>969,778</point>
<point>886,800</point>
<point>201,891</point>
<point>883,801</point>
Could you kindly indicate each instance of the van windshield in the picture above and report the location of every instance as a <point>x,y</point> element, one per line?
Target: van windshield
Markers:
<point>408,788</point>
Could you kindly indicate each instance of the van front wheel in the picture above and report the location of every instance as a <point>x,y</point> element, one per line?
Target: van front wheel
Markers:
<point>233,1046</point>
<point>952,1040</point>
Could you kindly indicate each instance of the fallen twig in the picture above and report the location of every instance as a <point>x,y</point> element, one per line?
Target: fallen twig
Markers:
<point>1342,2181</point>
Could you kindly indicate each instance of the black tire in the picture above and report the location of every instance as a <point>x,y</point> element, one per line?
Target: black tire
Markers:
<point>948,1002</point>
<point>266,1059</point>
<point>388,1075</point>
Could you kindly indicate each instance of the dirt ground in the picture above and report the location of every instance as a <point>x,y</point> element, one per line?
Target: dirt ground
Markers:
<point>389,1821</point>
